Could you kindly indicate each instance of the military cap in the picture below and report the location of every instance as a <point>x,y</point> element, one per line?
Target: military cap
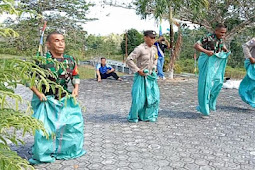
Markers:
<point>150,33</point>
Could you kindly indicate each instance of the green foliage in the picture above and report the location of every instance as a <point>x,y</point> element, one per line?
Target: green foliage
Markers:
<point>235,72</point>
<point>106,46</point>
<point>134,38</point>
<point>12,73</point>
<point>160,8</point>
<point>238,15</point>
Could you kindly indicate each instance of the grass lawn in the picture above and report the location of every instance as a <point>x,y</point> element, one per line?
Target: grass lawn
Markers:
<point>88,72</point>
<point>7,56</point>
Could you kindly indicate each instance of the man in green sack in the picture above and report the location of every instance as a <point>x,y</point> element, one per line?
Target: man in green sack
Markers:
<point>247,86</point>
<point>145,91</point>
<point>60,114</point>
<point>211,63</point>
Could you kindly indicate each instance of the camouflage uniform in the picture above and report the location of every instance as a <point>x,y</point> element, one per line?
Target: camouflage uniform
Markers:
<point>62,118</point>
<point>211,42</point>
<point>63,75</point>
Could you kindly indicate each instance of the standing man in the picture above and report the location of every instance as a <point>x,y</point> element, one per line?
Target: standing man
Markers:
<point>60,114</point>
<point>104,71</point>
<point>161,45</point>
<point>247,86</point>
<point>145,91</point>
<point>212,63</point>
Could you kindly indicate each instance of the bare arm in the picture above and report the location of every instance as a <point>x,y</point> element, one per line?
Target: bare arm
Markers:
<point>75,90</point>
<point>199,48</point>
<point>98,75</point>
<point>110,71</point>
<point>40,95</point>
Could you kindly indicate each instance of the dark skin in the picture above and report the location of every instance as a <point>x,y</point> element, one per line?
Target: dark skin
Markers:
<point>220,34</point>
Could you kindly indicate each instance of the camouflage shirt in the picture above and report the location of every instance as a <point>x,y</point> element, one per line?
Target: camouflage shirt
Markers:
<point>64,72</point>
<point>211,42</point>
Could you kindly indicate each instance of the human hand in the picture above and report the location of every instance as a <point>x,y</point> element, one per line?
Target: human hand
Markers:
<point>41,97</point>
<point>209,53</point>
<point>141,73</point>
<point>99,79</point>
<point>252,60</point>
<point>75,92</point>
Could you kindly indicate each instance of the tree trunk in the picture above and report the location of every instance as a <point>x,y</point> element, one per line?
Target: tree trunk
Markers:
<point>171,63</point>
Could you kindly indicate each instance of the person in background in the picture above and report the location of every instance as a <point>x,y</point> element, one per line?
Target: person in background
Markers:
<point>161,45</point>
<point>104,71</point>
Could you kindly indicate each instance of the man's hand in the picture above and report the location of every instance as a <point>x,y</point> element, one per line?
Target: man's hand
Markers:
<point>224,48</point>
<point>109,71</point>
<point>209,53</point>
<point>252,60</point>
<point>75,92</point>
<point>141,73</point>
<point>41,96</point>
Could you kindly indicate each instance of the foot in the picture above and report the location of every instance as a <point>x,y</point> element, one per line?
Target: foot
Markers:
<point>164,78</point>
<point>205,117</point>
<point>119,79</point>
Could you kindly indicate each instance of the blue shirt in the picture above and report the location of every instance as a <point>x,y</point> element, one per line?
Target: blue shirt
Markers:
<point>103,69</point>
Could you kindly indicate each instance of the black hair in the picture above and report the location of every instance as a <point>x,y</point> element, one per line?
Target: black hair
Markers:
<point>220,25</point>
<point>52,33</point>
<point>103,58</point>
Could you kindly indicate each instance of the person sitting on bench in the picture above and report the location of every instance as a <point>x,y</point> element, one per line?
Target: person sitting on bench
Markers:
<point>104,71</point>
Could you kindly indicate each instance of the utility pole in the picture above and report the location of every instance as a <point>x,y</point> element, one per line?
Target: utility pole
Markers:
<point>126,46</point>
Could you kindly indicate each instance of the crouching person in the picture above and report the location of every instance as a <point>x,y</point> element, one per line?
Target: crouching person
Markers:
<point>61,115</point>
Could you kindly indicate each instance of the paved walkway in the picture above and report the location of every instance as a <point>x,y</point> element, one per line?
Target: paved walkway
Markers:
<point>180,139</point>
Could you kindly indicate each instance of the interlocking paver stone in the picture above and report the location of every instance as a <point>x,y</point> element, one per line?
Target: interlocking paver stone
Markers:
<point>180,139</point>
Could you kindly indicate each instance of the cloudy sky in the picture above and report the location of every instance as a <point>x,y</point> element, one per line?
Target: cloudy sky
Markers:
<point>117,20</point>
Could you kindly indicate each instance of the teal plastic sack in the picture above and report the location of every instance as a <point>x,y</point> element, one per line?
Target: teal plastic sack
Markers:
<point>247,86</point>
<point>145,98</point>
<point>63,122</point>
<point>210,81</point>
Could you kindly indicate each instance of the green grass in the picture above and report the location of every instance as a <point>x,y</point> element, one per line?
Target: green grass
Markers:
<point>88,72</point>
<point>8,56</point>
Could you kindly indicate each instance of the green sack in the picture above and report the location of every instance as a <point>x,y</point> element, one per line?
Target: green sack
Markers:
<point>247,86</point>
<point>145,98</point>
<point>210,81</point>
<point>63,122</point>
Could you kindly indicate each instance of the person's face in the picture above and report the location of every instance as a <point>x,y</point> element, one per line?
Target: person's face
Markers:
<point>220,33</point>
<point>149,40</point>
<point>103,61</point>
<point>56,43</point>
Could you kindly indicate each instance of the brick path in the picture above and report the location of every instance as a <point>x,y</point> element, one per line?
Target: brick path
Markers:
<point>180,139</point>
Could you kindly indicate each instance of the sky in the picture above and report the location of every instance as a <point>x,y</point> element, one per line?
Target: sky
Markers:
<point>117,20</point>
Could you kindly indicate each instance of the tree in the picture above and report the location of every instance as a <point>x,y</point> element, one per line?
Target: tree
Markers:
<point>158,9</point>
<point>238,15</point>
<point>134,38</point>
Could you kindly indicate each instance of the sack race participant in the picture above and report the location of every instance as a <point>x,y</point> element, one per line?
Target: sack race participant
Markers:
<point>211,63</point>
<point>60,114</point>
<point>247,85</point>
<point>145,90</point>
